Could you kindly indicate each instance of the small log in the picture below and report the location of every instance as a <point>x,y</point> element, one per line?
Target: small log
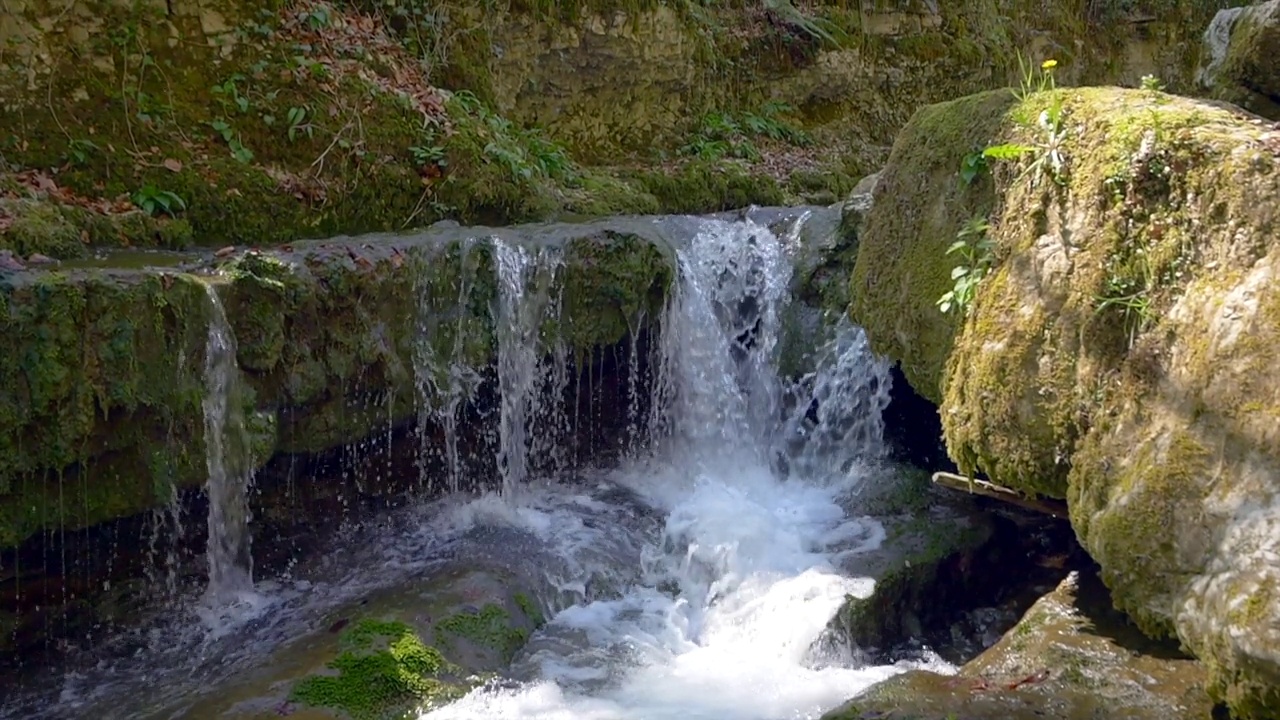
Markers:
<point>951,481</point>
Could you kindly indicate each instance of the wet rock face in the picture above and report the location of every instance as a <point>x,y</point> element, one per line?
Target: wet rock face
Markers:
<point>953,574</point>
<point>1071,656</point>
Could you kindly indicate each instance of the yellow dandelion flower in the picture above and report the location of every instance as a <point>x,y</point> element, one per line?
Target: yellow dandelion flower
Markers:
<point>1049,64</point>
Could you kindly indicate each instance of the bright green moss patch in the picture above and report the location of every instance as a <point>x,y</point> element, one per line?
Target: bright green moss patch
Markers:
<point>530,608</point>
<point>491,626</point>
<point>383,670</point>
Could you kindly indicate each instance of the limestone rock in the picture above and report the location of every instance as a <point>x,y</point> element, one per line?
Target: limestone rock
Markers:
<point>1119,353</point>
<point>1242,45</point>
<point>1070,656</point>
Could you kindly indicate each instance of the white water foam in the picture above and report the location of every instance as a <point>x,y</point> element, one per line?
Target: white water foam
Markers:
<point>740,581</point>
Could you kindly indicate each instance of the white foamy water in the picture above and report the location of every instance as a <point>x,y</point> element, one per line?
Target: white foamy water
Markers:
<point>693,581</point>
<point>740,580</point>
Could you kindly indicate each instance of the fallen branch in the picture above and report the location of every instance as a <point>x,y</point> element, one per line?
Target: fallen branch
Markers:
<point>951,481</point>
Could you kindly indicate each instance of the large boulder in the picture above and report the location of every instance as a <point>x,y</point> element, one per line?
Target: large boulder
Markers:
<point>1241,46</point>
<point>1118,353</point>
<point>1070,656</point>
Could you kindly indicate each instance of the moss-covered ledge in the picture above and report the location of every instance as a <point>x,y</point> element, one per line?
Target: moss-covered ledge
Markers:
<point>334,339</point>
<point>1117,354</point>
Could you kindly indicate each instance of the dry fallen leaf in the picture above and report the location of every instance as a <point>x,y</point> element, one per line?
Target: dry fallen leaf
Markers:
<point>173,165</point>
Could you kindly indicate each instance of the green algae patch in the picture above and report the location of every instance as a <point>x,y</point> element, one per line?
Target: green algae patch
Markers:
<point>383,670</point>
<point>491,626</point>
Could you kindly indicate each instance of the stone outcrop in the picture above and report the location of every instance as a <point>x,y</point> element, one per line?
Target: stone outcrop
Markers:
<point>1117,354</point>
<point>1070,656</point>
<point>273,123</point>
<point>1241,45</point>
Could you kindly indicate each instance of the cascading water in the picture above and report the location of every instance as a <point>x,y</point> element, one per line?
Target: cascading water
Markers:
<point>695,580</point>
<point>740,582</point>
<point>526,300</point>
<point>227,457</point>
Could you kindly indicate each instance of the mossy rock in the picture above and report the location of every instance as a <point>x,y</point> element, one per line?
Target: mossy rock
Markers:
<point>1116,355</point>
<point>1071,656</point>
<point>103,417</point>
<point>334,340</point>
<point>1247,75</point>
<point>399,651</point>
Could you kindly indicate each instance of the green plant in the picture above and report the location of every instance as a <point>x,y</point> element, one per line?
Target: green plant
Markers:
<point>973,165</point>
<point>721,134</point>
<point>229,135</point>
<point>1034,80</point>
<point>154,201</point>
<point>1050,129</point>
<point>976,252</point>
<point>424,155</point>
<point>80,150</point>
<point>1152,83</point>
<point>298,124</point>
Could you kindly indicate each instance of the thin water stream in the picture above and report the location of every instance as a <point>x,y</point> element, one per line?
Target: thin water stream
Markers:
<point>692,580</point>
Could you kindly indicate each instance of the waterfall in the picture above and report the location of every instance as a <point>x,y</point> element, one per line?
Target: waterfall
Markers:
<point>446,382</point>
<point>532,363</point>
<point>227,458</point>
<point>754,474</point>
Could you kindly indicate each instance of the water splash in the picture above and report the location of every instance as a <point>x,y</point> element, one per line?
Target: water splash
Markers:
<point>739,582</point>
<point>228,459</point>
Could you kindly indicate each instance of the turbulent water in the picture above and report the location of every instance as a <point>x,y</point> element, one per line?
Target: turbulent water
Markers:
<point>691,581</point>
<point>737,584</point>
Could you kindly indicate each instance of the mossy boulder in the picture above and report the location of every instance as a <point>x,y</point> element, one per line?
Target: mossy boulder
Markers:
<point>1070,656</point>
<point>1246,74</point>
<point>102,413</point>
<point>399,651</point>
<point>1117,353</point>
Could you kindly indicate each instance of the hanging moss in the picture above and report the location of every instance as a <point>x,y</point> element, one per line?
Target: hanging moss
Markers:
<point>105,380</point>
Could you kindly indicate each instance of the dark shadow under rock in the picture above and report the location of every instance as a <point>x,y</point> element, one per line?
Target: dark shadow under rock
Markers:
<point>1071,657</point>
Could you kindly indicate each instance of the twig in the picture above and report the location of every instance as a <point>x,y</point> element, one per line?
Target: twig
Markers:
<point>317,165</point>
<point>951,481</point>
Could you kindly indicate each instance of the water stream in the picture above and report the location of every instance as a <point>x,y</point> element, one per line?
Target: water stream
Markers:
<point>692,580</point>
<point>227,456</point>
<point>738,582</point>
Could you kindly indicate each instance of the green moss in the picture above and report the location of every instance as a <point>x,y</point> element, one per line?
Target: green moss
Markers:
<point>105,379</point>
<point>613,284</point>
<point>701,187</point>
<point>920,197</point>
<point>530,608</point>
<point>490,626</point>
<point>383,670</point>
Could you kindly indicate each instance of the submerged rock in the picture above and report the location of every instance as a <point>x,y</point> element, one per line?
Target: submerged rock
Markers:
<point>1118,352</point>
<point>1070,657</point>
